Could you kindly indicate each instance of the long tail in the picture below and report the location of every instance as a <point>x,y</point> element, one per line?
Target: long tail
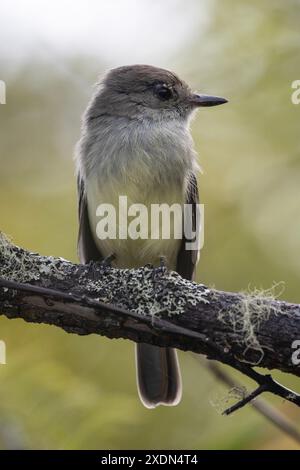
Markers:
<point>158,375</point>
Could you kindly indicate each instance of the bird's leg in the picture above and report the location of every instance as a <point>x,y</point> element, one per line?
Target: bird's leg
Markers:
<point>162,268</point>
<point>106,262</point>
<point>103,264</point>
<point>163,262</point>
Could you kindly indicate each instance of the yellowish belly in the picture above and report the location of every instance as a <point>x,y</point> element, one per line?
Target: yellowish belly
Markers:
<point>129,252</point>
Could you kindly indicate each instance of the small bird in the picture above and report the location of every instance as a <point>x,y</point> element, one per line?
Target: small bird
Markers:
<point>136,142</point>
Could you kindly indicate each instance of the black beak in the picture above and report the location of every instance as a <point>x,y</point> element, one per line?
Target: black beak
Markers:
<point>207,100</point>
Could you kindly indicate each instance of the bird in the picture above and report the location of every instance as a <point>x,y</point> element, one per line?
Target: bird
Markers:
<point>136,142</point>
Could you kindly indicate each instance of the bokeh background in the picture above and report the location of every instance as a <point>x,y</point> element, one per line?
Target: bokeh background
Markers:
<point>63,391</point>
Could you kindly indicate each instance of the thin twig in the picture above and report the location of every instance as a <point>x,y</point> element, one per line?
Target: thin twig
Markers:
<point>260,405</point>
<point>245,400</point>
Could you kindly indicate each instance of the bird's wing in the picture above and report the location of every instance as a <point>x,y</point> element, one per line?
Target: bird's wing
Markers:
<point>87,249</point>
<point>187,259</point>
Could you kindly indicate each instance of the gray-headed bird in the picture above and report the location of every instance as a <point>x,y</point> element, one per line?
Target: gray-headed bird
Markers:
<point>136,143</point>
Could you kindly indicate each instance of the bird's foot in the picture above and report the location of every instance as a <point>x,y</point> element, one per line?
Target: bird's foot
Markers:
<point>162,268</point>
<point>106,262</point>
<point>162,262</point>
<point>95,266</point>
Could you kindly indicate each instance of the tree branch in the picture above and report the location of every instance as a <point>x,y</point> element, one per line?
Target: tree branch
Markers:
<point>154,306</point>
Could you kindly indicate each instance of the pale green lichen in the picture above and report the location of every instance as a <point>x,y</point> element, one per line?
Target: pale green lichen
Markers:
<point>22,266</point>
<point>148,291</point>
<point>145,291</point>
<point>246,316</point>
<point>222,401</point>
<point>14,265</point>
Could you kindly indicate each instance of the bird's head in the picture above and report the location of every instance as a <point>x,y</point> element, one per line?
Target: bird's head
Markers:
<point>146,92</point>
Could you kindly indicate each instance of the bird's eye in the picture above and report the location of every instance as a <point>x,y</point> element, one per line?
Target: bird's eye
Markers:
<point>163,92</point>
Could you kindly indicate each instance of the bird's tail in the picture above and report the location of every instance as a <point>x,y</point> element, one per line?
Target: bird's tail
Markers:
<point>158,375</point>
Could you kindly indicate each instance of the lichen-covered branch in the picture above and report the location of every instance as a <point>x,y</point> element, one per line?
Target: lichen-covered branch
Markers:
<point>152,305</point>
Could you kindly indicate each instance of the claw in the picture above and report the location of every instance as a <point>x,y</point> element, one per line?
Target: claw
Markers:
<point>161,268</point>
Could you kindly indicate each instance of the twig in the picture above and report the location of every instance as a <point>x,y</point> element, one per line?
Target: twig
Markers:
<point>260,405</point>
<point>247,399</point>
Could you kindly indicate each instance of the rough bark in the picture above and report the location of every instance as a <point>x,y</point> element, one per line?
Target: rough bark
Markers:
<point>148,305</point>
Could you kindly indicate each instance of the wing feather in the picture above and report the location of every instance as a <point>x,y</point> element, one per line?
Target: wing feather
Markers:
<point>187,259</point>
<point>87,249</point>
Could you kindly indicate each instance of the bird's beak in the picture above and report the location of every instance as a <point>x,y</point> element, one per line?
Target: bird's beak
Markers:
<point>206,100</point>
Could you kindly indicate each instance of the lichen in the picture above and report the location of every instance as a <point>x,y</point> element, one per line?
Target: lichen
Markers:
<point>19,265</point>
<point>246,316</point>
<point>148,290</point>
<point>222,401</point>
<point>145,291</point>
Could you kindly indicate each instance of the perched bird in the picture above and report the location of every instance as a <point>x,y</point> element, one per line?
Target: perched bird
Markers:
<point>136,143</point>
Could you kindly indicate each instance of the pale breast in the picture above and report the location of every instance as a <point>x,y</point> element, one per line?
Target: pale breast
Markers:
<point>147,219</point>
<point>148,164</point>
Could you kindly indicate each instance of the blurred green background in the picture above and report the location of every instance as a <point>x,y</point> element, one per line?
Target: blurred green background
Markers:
<point>63,391</point>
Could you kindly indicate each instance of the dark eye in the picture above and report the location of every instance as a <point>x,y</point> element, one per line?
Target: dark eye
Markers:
<point>163,92</point>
